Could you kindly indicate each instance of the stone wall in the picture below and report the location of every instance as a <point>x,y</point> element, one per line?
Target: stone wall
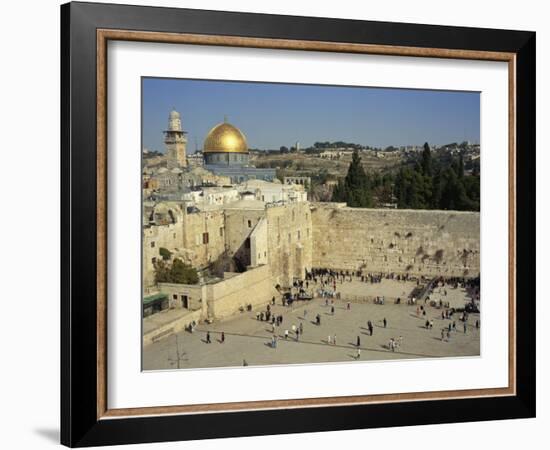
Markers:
<point>418,242</point>
<point>239,224</point>
<point>155,238</point>
<point>175,292</point>
<point>258,244</point>
<point>204,237</point>
<point>289,235</point>
<point>251,287</point>
<point>169,328</point>
<point>197,239</point>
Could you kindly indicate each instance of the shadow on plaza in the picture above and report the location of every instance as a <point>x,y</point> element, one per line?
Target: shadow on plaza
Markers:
<point>324,343</point>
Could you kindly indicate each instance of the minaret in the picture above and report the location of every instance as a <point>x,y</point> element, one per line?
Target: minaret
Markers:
<point>175,140</point>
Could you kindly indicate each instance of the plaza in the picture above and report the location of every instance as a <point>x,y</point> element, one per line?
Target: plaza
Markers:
<point>249,340</point>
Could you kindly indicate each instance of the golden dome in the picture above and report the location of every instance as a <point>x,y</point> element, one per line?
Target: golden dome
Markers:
<point>225,138</point>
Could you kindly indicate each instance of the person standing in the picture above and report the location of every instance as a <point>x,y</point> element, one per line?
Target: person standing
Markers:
<point>358,355</point>
<point>329,339</point>
<point>286,334</point>
<point>222,338</point>
<point>385,322</point>
<point>465,327</point>
<point>334,340</point>
<point>208,341</point>
<point>358,344</point>
<point>301,328</point>
<point>332,310</point>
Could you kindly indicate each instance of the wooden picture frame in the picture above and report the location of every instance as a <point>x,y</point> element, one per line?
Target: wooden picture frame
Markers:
<point>86,418</point>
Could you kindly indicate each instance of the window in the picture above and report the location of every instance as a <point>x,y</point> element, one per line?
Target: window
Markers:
<point>298,234</point>
<point>175,296</point>
<point>249,224</point>
<point>152,244</point>
<point>221,231</point>
<point>205,238</point>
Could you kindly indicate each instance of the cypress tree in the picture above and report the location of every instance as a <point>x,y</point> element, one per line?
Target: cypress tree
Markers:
<point>355,188</point>
<point>427,160</point>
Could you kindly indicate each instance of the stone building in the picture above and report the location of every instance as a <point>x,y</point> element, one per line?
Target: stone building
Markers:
<point>225,152</point>
<point>175,140</point>
<point>302,181</point>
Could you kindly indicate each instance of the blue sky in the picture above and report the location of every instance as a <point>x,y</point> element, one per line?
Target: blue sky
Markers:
<point>272,115</point>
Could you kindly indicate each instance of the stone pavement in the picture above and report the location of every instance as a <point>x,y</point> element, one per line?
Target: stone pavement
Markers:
<point>247,338</point>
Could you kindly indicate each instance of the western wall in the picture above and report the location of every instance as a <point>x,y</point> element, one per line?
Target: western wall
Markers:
<point>418,242</point>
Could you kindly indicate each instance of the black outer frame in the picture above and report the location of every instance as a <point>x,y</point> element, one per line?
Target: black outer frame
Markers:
<point>79,423</point>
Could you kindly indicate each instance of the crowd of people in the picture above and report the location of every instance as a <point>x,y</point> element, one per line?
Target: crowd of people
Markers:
<point>324,282</point>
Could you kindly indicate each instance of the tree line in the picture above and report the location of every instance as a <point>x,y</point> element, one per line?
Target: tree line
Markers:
<point>429,183</point>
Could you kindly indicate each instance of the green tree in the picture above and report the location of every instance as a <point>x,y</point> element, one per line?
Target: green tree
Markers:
<point>427,160</point>
<point>454,194</point>
<point>162,272</point>
<point>355,188</point>
<point>183,273</point>
<point>165,253</point>
<point>437,188</point>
